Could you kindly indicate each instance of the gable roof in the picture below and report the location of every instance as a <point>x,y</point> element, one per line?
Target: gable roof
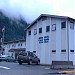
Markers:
<point>47,15</point>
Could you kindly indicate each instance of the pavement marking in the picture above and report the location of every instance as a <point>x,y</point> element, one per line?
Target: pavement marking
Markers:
<point>4,67</point>
<point>47,68</point>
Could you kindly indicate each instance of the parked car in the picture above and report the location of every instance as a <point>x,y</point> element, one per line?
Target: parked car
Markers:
<point>28,57</point>
<point>10,59</point>
<point>3,58</point>
<point>7,58</point>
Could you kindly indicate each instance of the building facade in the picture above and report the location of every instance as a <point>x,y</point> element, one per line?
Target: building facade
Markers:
<point>52,37</point>
<point>12,48</point>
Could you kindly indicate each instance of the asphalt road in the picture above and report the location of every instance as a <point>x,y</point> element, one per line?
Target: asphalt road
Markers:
<point>10,68</point>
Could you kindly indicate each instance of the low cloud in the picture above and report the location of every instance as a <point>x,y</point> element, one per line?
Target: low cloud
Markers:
<point>31,9</point>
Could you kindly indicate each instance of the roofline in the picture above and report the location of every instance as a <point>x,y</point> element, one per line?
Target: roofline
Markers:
<point>17,49</point>
<point>47,15</point>
<point>15,41</point>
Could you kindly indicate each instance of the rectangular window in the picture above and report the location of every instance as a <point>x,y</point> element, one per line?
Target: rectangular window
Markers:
<point>44,18</point>
<point>47,28</point>
<point>71,50</point>
<point>29,33</point>
<point>53,50</point>
<point>40,30</point>
<point>63,50</point>
<point>19,44</point>
<point>53,27</point>
<point>34,51</point>
<point>71,25</point>
<point>63,24</point>
<point>35,31</point>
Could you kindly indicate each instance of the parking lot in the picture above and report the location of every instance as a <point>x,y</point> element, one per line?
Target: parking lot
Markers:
<point>11,68</point>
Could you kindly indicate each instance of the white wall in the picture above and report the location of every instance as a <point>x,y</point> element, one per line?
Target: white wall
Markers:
<point>74,44</point>
<point>57,41</point>
<point>9,46</point>
<point>71,43</point>
<point>44,50</point>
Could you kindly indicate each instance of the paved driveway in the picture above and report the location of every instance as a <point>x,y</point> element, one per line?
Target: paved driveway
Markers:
<point>10,68</point>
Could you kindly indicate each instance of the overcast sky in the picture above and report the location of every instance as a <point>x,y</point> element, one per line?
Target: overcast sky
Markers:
<point>31,9</point>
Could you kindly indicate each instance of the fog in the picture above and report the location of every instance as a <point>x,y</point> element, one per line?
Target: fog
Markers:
<point>31,9</point>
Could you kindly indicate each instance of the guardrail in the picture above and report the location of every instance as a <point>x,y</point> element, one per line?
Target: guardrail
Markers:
<point>62,65</point>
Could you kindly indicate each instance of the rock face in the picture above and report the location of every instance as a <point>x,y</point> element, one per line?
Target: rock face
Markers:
<point>14,28</point>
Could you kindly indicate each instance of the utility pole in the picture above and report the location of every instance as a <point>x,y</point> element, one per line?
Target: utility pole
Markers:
<point>3,30</point>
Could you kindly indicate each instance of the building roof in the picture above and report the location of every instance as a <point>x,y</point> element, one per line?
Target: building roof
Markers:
<point>18,49</point>
<point>15,41</point>
<point>47,15</point>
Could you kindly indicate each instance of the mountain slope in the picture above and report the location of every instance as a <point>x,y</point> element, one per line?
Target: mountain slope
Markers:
<point>14,28</point>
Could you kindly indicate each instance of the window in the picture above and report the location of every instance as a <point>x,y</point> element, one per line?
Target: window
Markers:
<point>35,31</point>
<point>40,30</point>
<point>34,51</point>
<point>71,25</point>
<point>71,50</point>
<point>21,44</point>
<point>53,50</point>
<point>34,55</point>
<point>23,53</point>
<point>53,27</point>
<point>29,33</point>
<point>44,18</point>
<point>30,54</point>
<point>47,28</point>
<point>12,45</point>
<point>63,24</point>
<point>63,50</point>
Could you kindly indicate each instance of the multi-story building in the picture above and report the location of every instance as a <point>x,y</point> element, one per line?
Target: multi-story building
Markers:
<point>52,37</point>
<point>12,48</point>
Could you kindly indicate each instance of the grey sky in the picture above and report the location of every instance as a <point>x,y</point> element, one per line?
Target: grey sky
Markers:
<point>31,9</point>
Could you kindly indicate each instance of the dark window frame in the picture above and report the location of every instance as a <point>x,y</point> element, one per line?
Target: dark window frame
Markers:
<point>47,28</point>
<point>53,27</point>
<point>71,25</point>
<point>40,30</point>
<point>53,51</point>
<point>44,18</point>
<point>35,31</point>
<point>63,25</point>
<point>21,44</point>
<point>63,50</point>
<point>29,32</point>
<point>34,51</point>
<point>72,51</point>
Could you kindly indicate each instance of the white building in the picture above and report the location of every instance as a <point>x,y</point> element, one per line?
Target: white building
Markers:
<point>12,48</point>
<point>52,38</point>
